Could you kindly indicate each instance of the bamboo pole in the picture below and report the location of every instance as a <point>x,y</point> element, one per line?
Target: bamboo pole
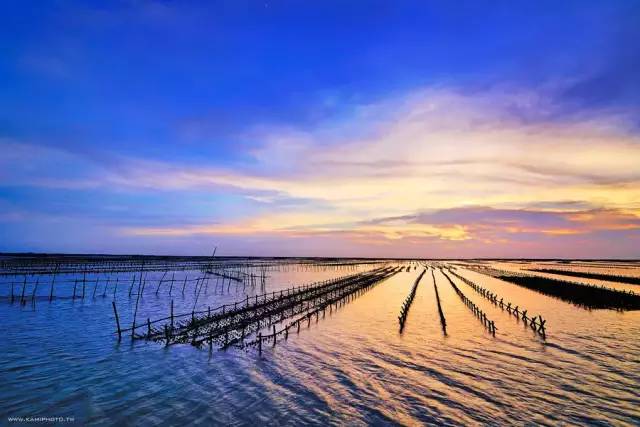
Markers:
<point>115,312</point>
<point>53,281</point>
<point>24,285</point>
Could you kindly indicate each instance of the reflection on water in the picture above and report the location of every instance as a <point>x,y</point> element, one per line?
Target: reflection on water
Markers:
<point>353,367</point>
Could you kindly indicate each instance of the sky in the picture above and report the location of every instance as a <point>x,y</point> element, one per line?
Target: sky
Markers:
<point>446,129</point>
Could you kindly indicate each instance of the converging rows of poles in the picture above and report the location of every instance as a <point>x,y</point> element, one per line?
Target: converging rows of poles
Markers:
<point>231,324</point>
<point>254,318</point>
<point>537,323</point>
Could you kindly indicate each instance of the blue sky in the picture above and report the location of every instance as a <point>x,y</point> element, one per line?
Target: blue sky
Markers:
<point>285,127</point>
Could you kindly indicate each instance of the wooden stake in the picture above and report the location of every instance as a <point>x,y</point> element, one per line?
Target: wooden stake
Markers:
<point>115,312</point>
<point>53,280</point>
<point>24,285</point>
<point>172,315</point>
<point>84,283</point>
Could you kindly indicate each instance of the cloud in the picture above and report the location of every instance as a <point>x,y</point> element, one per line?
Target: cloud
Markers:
<point>439,148</point>
<point>436,165</point>
<point>477,223</point>
<point>469,231</point>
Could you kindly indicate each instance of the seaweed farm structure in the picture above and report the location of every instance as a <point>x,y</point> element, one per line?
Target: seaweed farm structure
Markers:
<point>590,275</point>
<point>447,332</point>
<point>477,311</point>
<point>20,264</point>
<point>443,320</point>
<point>404,310</point>
<point>31,278</point>
<point>537,323</point>
<point>231,325</point>
<point>183,293</point>
<point>580,294</point>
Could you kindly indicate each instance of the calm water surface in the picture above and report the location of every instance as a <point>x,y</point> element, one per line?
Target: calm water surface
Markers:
<point>353,367</point>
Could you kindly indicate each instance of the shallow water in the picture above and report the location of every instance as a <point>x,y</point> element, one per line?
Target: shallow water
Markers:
<point>353,367</point>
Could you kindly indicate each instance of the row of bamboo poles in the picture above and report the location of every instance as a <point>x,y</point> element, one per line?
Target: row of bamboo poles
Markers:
<point>477,311</point>
<point>537,323</point>
<point>322,307</point>
<point>46,265</point>
<point>580,294</point>
<point>404,310</point>
<point>610,277</point>
<point>80,287</point>
<point>443,321</point>
<point>231,326</point>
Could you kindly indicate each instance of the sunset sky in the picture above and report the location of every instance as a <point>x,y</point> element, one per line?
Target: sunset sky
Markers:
<point>324,128</point>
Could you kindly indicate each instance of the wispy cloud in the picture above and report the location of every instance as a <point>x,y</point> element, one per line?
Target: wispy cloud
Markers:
<point>480,223</point>
<point>440,164</point>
